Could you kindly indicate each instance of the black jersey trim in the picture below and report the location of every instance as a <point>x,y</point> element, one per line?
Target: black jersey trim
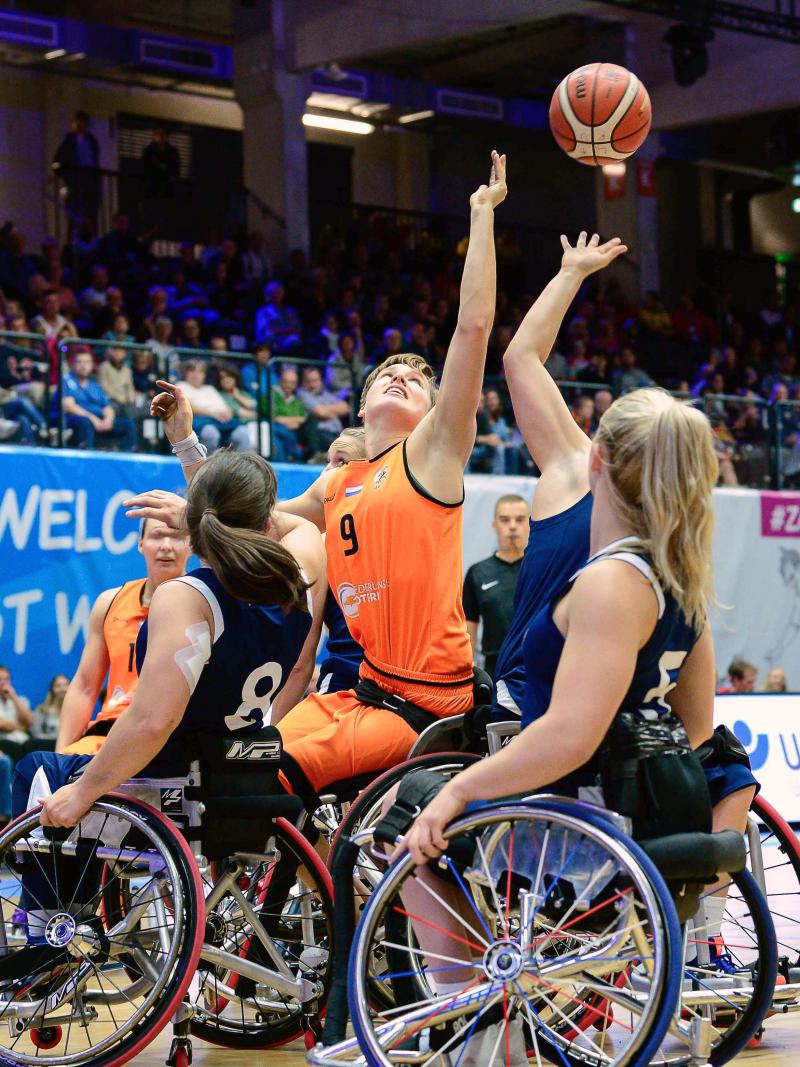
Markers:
<point>417,681</point>
<point>415,485</point>
<point>380,455</point>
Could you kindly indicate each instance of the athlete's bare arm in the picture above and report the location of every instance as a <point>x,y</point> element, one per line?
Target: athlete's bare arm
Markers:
<point>439,448</point>
<point>310,504</point>
<point>692,699</point>
<point>559,448</point>
<point>158,705</point>
<point>303,540</point>
<point>84,689</point>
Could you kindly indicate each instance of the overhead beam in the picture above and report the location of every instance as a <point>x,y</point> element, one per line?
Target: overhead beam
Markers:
<point>725,15</point>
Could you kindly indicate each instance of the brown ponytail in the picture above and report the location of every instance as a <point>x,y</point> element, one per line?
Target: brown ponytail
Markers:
<point>229,505</point>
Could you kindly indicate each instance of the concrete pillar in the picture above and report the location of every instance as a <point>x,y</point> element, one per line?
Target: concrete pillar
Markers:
<point>272,99</point>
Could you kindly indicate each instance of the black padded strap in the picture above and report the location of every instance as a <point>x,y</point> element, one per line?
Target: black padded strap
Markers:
<point>298,782</point>
<point>416,791</point>
<point>724,748</point>
<point>371,694</point>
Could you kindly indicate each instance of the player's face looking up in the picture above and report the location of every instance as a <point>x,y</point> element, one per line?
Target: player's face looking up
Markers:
<point>400,394</point>
<point>511,526</point>
<point>343,450</point>
<point>165,550</point>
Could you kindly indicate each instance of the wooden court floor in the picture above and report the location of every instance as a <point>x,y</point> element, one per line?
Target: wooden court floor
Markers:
<point>780,1048</point>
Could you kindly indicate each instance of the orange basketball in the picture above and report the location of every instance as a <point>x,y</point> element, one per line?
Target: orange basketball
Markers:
<point>600,114</point>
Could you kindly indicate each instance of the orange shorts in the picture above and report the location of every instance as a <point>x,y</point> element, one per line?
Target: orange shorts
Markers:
<point>86,746</point>
<point>334,736</point>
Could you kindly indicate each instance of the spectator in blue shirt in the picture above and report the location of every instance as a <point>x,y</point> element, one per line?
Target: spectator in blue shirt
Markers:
<point>277,324</point>
<point>88,411</point>
<point>629,377</point>
<point>253,372</point>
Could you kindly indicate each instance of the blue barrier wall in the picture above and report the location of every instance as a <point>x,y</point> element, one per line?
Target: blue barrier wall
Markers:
<point>64,538</point>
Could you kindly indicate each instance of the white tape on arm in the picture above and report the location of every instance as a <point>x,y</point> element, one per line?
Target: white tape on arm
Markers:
<point>196,655</point>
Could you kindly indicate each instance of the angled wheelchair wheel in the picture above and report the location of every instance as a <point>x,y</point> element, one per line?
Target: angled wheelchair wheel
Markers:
<point>364,813</point>
<point>265,968</point>
<point>553,935</point>
<point>775,864</point>
<point>76,989</point>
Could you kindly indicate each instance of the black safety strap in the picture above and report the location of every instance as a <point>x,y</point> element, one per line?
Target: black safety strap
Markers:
<point>415,792</point>
<point>344,921</point>
<point>371,694</point>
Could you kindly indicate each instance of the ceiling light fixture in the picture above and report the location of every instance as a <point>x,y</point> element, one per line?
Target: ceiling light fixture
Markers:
<point>330,122</point>
<point>55,53</point>
<point>416,116</point>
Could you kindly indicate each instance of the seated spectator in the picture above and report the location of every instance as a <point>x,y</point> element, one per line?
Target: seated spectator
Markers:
<point>218,343</point>
<point>328,341</point>
<point>15,717</point>
<point>17,402</point>
<point>628,376</point>
<point>214,422</point>
<point>487,453</point>
<point>189,263</point>
<point>597,370</point>
<point>221,292</point>
<point>339,379</point>
<point>184,296</point>
<point>87,410</point>
<point>692,326</point>
<point>603,399</point>
<point>731,370</point>
<point>500,426</point>
<point>229,383</point>
<point>324,408</point>
<point>583,413</point>
<point>391,344</point>
<point>288,418</point>
<point>606,339</point>
<point>556,364</point>
<point>115,305</point>
<point>742,677</point>
<point>157,306</point>
<point>144,374</point>
<point>116,380</point>
<point>93,297</point>
<point>191,333</point>
<point>276,324</point>
<point>120,330</point>
<point>161,346</point>
<point>255,375</point>
<point>120,249</point>
<point>418,340</point>
<point>47,717</point>
<point>784,373</point>
<point>255,265</point>
<point>776,681</point>
<point>50,321</point>
<point>653,315</point>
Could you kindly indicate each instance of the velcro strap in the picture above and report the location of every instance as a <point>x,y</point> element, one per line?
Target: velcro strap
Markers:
<point>416,791</point>
<point>371,694</point>
<point>723,747</point>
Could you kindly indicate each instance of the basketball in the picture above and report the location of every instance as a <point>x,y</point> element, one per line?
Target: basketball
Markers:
<point>600,113</point>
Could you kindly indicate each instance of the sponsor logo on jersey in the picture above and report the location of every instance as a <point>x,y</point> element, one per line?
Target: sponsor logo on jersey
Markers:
<point>269,751</point>
<point>488,585</point>
<point>329,499</point>
<point>171,800</point>
<point>381,477</point>
<point>351,596</point>
<point>352,490</point>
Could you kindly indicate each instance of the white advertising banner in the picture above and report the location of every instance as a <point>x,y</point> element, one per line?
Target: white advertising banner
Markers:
<point>756,561</point>
<point>768,725</point>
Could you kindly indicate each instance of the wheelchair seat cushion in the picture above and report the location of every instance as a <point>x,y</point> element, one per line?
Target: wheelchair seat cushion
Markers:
<point>697,857</point>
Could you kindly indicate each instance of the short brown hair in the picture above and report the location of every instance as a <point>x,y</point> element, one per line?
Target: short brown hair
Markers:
<point>404,359</point>
<point>510,498</point>
<point>739,668</point>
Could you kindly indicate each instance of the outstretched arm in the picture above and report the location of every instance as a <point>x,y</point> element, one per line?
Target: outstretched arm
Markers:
<point>558,446</point>
<point>440,446</point>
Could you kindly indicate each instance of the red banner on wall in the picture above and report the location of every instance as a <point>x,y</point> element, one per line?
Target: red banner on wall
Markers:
<point>614,185</point>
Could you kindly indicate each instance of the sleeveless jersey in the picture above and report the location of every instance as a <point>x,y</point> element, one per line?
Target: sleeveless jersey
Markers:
<point>557,547</point>
<point>343,654</point>
<point>658,663</point>
<point>255,647</point>
<point>394,564</point>
<point>121,626</point>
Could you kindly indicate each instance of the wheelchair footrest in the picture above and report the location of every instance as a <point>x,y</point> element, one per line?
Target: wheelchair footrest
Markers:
<point>697,857</point>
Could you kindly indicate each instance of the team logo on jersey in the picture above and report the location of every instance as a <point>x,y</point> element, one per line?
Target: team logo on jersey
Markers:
<point>381,477</point>
<point>348,599</point>
<point>352,490</point>
<point>255,750</point>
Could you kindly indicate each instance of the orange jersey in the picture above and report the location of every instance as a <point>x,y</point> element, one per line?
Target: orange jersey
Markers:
<point>394,564</point>
<point>120,628</point>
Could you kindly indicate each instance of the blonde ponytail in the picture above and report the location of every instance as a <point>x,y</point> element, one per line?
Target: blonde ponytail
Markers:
<point>662,467</point>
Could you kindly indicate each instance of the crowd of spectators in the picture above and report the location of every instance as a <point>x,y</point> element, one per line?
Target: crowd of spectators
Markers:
<point>384,288</point>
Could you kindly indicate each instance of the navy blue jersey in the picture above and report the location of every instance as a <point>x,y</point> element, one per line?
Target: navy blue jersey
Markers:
<point>255,647</point>
<point>557,547</point>
<point>658,663</point>
<point>343,654</point>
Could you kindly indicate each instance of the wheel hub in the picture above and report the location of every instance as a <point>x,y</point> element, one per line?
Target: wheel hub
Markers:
<point>503,961</point>
<point>60,930</point>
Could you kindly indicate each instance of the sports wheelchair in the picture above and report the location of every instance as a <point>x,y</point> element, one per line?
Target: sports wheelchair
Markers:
<point>191,899</point>
<point>721,1008</point>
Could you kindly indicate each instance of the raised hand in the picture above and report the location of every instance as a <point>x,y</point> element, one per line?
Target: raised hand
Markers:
<point>495,192</point>
<point>173,408</point>
<point>157,504</point>
<point>588,256</point>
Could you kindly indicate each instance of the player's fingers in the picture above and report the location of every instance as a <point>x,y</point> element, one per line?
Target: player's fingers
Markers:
<point>168,387</point>
<point>565,242</point>
<point>617,251</point>
<point>595,239</point>
<point>581,239</point>
<point>439,839</point>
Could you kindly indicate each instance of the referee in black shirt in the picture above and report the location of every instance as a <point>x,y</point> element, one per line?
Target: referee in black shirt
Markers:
<point>489,585</point>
